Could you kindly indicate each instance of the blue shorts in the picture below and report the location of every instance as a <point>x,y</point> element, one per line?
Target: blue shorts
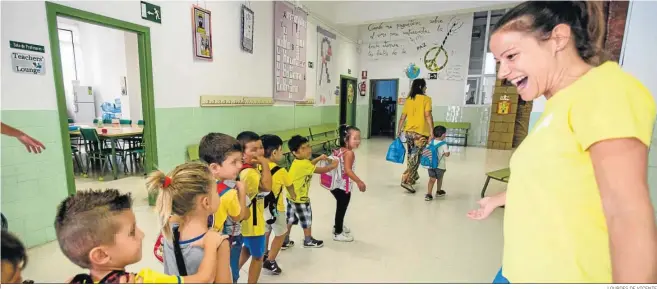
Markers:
<point>500,279</point>
<point>255,245</point>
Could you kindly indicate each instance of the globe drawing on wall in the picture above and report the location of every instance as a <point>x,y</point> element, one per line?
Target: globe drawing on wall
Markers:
<point>412,71</point>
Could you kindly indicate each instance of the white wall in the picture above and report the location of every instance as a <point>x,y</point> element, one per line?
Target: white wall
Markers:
<point>640,44</point>
<point>179,80</point>
<point>444,90</point>
<point>133,81</point>
<point>103,52</point>
<point>358,12</point>
<point>26,91</point>
<point>638,58</point>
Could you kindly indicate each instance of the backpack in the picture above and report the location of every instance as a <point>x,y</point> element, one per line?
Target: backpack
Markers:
<point>158,248</point>
<point>271,200</point>
<point>430,158</point>
<point>330,180</point>
<point>254,199</point>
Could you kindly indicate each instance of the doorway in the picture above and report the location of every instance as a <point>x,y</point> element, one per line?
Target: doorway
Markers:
<point>383,103</point>
<point>94,132</point>
<point>347,100</point>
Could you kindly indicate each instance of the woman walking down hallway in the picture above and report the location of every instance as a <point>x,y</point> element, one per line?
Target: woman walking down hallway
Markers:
<point>417,123</point>
<point>578,208</point>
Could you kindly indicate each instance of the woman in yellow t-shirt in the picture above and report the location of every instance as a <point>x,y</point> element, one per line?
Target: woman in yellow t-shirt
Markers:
<point>577,205</point>
<point>418,129</point>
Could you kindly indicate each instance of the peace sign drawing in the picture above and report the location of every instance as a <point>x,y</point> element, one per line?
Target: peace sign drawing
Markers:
<point>436,58</point>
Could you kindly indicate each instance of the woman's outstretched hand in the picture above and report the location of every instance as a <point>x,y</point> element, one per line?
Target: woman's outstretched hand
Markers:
<point>486,206</point>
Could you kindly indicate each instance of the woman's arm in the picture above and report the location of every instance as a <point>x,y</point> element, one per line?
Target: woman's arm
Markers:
<point>31,144</point>
<point>400,127</point>
<point>428,117</point>
<point>620,170</point>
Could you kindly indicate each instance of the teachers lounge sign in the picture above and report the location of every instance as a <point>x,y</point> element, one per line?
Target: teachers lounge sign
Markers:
<point>28,63</point>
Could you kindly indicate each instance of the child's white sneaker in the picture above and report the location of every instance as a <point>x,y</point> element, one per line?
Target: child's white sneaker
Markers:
<point>343,237</point>
<point>344,229</point>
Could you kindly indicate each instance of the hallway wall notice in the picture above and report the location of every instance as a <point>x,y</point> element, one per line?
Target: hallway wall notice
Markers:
<point>439,44</point>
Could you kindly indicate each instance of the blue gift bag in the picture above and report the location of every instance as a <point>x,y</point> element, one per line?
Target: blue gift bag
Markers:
<point>396,152</point>
<point>430,158</point>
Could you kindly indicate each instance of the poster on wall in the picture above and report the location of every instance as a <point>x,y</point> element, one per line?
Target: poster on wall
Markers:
<point>327,75</point>
<point>438,45</point>
<point>289,52</point>
<point>202,25</point>
<point>247,29</point>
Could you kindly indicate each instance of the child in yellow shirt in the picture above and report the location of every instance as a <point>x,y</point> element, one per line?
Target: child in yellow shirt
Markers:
<point>223,154</point>
<point>301,173</point>
<point>275,202</point>
<point>253,227</point>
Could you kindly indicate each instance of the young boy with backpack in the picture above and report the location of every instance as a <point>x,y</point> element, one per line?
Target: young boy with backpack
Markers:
<point>275,206</point>
<point>433,158</point>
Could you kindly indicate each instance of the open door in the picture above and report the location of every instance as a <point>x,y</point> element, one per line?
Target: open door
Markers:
<point>347,100</point>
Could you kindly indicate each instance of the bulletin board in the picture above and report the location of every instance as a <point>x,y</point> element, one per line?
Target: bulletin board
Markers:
<point>328,78</point>
<point>289,52</point>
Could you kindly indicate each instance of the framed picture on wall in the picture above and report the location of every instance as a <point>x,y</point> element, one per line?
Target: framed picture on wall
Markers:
<point>247,29</point>
<point>202,24</point>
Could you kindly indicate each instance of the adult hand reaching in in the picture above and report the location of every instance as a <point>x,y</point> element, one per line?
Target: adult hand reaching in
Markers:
<point>31,144</point>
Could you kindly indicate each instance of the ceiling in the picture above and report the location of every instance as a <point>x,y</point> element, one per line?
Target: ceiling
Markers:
<point>351,13</point>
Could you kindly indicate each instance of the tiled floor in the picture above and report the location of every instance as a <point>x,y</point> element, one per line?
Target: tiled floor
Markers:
<point>399,237</point>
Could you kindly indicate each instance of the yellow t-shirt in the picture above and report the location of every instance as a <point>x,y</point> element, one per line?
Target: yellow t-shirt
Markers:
<point>279,183</point>
<point>149,276</point>
<point>229,206</point>
<point>414,110</point>
<point>251,178</point>
<point>301,173</point>
<point>554,223</point>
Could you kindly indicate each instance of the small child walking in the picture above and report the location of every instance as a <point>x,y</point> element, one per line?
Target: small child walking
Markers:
<point>349,141</point>
<point>436,175</point>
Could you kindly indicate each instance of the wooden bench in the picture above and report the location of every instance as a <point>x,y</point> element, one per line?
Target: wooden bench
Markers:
<point>455,130</point>
<point>324,134</point>
<point>192,153</point>
<point>499,175</point>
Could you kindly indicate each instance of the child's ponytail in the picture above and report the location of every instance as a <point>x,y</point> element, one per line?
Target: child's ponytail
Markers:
<point>177,192</point>
<point>164,203</point>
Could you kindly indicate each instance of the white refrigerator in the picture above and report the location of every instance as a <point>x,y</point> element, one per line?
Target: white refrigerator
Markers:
<point>85,108</point>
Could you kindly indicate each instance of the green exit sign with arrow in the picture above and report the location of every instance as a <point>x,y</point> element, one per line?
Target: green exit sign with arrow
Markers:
<point>151,12</point>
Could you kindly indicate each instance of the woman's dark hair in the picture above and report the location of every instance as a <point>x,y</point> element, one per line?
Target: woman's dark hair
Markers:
<point>585,18</point>
<point>345,132</point>
<point>417,88</point>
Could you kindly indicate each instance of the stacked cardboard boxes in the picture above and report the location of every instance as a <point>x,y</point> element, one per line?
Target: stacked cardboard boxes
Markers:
<point>502,126</point>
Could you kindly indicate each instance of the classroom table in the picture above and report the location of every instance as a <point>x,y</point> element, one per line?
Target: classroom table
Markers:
<point>113,133</point>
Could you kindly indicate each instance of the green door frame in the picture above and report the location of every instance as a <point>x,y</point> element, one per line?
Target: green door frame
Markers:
<point>145,74</point>
<point>348,77</point>
<point>369,123</point>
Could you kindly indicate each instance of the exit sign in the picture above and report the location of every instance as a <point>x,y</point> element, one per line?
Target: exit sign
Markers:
<point>151,12</point>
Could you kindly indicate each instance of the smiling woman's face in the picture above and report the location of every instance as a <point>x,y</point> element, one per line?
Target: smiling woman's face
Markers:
<point>524,61</point>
